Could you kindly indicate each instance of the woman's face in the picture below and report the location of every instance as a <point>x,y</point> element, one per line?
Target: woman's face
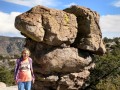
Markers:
<point>25,54</point>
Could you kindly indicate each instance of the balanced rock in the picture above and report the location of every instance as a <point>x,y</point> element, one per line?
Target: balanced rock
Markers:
<point>62,44</point>
<point>89,35</point>
<point>50,26</point>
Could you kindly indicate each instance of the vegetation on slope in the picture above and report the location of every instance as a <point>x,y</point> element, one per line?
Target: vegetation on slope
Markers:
<point>106,75</point>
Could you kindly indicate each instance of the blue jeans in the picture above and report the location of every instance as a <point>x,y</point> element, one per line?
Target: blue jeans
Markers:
<point>24,85</point>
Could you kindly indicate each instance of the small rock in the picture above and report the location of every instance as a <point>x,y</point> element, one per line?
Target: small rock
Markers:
<point>2,84</point>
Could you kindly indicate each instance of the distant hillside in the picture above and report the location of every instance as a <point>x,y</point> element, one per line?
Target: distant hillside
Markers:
<point>11,46</point>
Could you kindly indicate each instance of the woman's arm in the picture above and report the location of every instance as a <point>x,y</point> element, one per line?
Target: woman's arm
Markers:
<point>16,70</point>
<point>31,68</point>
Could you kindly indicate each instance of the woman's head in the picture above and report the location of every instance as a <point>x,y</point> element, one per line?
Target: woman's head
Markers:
<point>25,53</point>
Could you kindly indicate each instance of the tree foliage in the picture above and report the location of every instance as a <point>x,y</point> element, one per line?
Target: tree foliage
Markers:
<point>106,75</point>
<point>6,76</point>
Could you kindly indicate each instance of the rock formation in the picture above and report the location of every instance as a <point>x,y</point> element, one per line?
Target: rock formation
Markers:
<point>89,33</point>
<point>62,44</point>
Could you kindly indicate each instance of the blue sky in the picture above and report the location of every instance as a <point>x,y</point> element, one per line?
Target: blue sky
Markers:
<point>109,11</point>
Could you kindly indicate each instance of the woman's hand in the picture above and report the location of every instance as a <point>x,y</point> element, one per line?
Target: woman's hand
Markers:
<point>16,81</point>
<point>33,81</point>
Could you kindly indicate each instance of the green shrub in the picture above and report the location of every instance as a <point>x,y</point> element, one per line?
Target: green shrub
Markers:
<point>106,75</point>
<point>111,83</point>
<point>6,76</point>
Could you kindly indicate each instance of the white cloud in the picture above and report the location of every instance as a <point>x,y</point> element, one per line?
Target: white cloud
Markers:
<point>110,25</point>
<point>31,3</point>
<point>7,24</point>
<point>117,3</point>
<point>68,5</point>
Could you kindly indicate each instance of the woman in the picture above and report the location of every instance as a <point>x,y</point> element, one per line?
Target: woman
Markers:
<point>24,71</point>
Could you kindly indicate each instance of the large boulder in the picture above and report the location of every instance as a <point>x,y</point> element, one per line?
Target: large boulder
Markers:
<point>50,26</point>
<point>89,35</point>
<point>62,60</point>
<point>58,60</point>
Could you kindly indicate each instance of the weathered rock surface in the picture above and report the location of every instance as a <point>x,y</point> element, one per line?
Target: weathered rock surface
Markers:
<point>58,60</point>
<point>62,44</point>
<point>51,26</point>
<point>89,33</point>
<point>59,68</point>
